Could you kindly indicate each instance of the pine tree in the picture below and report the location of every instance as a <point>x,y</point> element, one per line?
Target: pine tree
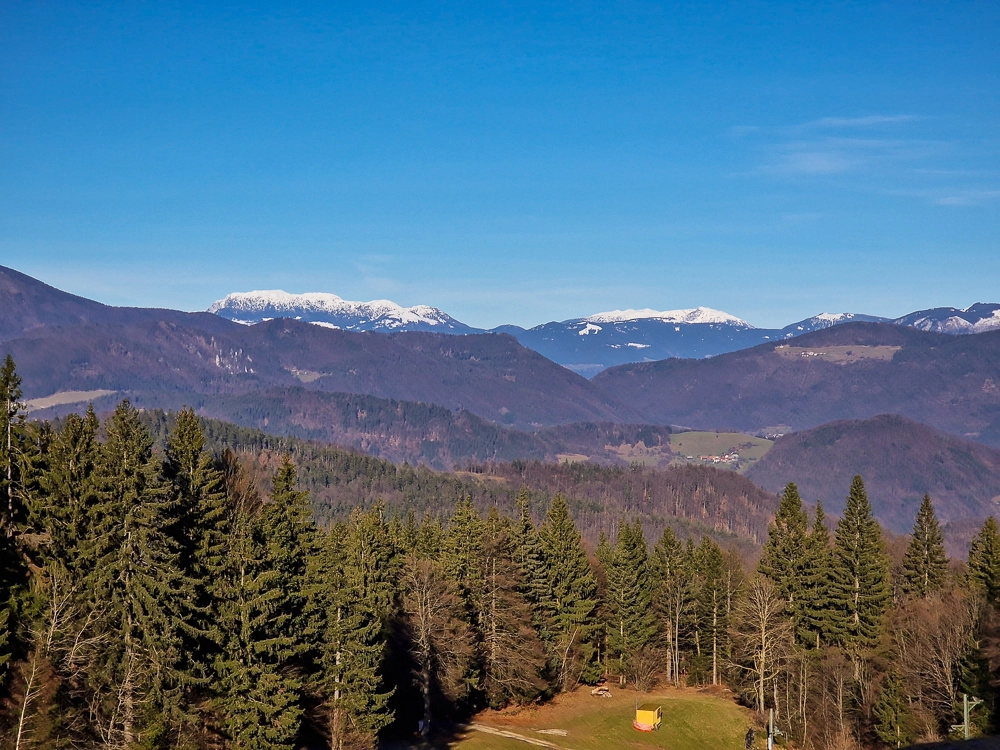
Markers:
<point>201,537</point>
<point>68,492</point>
<point>786,551</point>
<point>891,712</point>
<point>513,656</point>
<point>814,596</point>
<point>712,614</point>
<point>11,433</point>
<point>139,593</point>
<point>261,613</point>
<point>925,566</point>
<point>463,554</point>
<point>984,560</point>
<point>860,591</point>
<point>356,587</point>
<point>629,595</point>
<point>534,578</point>
<point>574,596</point>
<point>671,571</point>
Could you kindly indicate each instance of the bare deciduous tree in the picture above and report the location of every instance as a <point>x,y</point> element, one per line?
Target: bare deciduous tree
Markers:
<point>762,636</point>
<point>442,643</point>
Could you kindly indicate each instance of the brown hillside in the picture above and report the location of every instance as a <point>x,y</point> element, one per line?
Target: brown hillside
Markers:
<point>900,461</point>
<point>949,382</point>
<point>66,343</point>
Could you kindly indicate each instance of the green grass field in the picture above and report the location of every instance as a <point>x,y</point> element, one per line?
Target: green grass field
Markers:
<point>750,448</point>
<point>692,720</point>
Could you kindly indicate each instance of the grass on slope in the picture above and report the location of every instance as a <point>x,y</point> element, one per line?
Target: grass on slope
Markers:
<point>751,449</point>
<point>692,720</point>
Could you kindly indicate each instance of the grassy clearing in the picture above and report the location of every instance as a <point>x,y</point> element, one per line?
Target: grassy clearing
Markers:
<point>692,720</point>
<point>696,444</point>
<point>841,355</point>
<point>64,398</point>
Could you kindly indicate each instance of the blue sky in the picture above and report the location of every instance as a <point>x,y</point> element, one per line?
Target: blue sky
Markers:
<point>510,163</point>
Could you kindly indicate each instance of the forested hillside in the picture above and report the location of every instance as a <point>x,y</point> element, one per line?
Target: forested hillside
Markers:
<point>849,371</point>
<point>902,461</point>
<point>187,598</point>
<point>693,500</point>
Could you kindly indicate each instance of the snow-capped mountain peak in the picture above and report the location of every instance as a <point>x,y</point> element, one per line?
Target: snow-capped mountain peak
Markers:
<point>329,310</point>
<point>693,315</point>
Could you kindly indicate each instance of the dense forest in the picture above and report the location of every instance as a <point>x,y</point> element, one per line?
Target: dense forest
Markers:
<point>176,597</point>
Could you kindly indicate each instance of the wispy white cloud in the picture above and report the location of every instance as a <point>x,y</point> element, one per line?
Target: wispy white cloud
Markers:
<point>861,122</point>
<point>950,197</point>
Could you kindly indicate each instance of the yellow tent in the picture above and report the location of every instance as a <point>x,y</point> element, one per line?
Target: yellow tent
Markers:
<point>647,717</point>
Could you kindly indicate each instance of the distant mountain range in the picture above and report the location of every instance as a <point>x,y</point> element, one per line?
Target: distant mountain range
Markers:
<point>443,400</point>
<point>331,311</point>
<point>591,344</point>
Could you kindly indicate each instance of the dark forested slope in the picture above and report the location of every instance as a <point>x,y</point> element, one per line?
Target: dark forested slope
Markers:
<point>901,461</point>
<point>851,371</point>
<point>66,343</point>
<point>695,500</point>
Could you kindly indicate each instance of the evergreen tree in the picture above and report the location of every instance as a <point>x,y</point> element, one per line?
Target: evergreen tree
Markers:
<point>574,595</point>
<point>534,578</point>
<point>357,581</point>
<point>712,614</point>
<point>860,589</point>
<point>891,712</point>
<point>201,537</point>
<point>925,566</point>
<point>984,560</point>
<point>260,614</point>
<point>786,552</point>
<point>629,595</point>
<point>138,592</point>
<point>671,570</point>
<point>513,656</point>
<point>814,593</point>
<point>11,434</point>
<point>463,554</point>
<point>68,492</point>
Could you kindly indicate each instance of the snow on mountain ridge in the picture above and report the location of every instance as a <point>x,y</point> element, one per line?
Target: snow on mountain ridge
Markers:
<point>276,301</point>
<point>693,315</point>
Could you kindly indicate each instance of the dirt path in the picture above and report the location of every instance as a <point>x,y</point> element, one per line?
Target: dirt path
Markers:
<point>487,729</point>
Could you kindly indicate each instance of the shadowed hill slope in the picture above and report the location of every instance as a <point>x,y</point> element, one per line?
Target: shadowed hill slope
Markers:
<point>66,343</point>
<point>900,460</point>
<point>851,371</point>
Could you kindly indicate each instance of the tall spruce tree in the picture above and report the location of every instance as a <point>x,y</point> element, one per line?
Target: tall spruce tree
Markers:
<point>860,591</point>
<point>984,560</point>
<point>11,438</point>
<point>201,537</point>
<point>786,550</point>
<point>712,614</point>
<point>261,613</point>
<point>925,566</point>
<point>528,555</point>
<point>574,596</point>
<point>68,492</point>
<point>629,595</point>
<point>513,656</point>
<point>356,585</point>
<point>814,594</point>
<point>139,594</point>
<point>463,553</point>
<point>891,713</point>
<point>673,595</point>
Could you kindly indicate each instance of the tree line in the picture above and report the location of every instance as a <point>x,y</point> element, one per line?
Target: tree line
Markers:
<point>171,598</point>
